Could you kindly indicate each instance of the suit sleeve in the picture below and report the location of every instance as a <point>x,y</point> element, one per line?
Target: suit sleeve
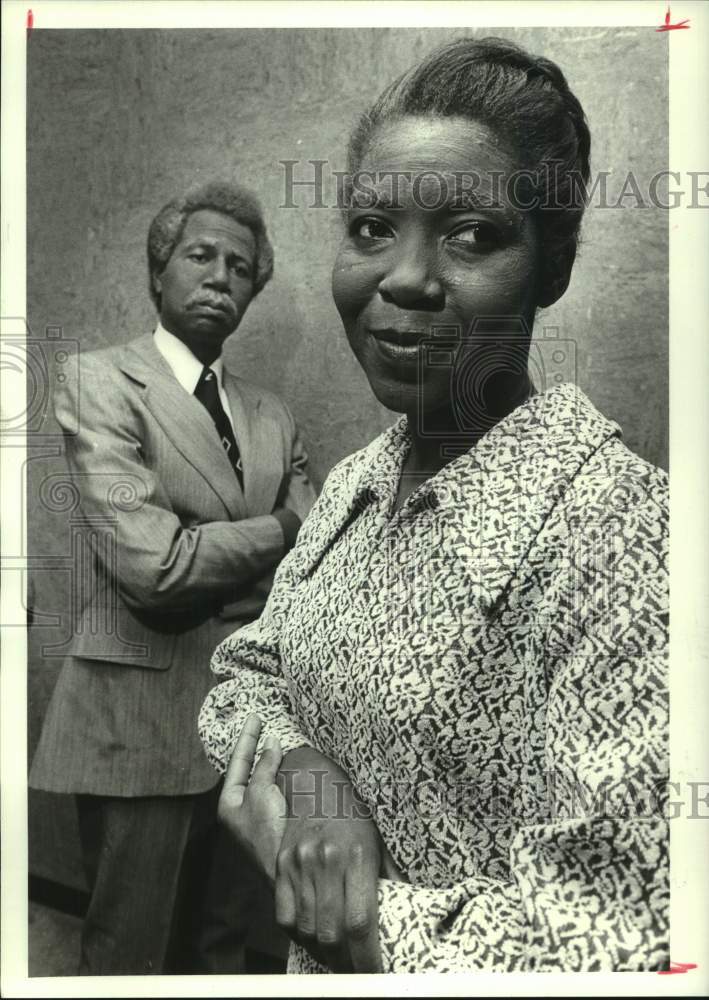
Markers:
<point>249,664</point>
<point>249,661</point>
<point>160,565</point>
<point>589,882</point>
<point>297,492</point>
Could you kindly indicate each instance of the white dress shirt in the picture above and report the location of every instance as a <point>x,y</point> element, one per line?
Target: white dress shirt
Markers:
<point>186,368</point>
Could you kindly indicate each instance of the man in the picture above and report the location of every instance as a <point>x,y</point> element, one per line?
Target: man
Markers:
<point>192,485</point>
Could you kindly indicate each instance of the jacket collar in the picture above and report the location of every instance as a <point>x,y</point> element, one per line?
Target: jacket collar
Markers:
<point>495,497</point>
<point>184,420</point>
<point>186,368</point>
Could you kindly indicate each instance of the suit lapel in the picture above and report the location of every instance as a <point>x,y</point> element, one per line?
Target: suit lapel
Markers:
<point>184,420</point>
<point>259,439</point>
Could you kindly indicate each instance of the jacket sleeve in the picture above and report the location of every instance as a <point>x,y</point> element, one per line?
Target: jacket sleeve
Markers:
<point>160,564</point>
<point>249,663</point>
<point>589,883</point>
<point>297,492</point>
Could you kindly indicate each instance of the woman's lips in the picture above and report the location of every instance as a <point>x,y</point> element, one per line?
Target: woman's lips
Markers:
<point>400,346</point>
<point>395,335</point>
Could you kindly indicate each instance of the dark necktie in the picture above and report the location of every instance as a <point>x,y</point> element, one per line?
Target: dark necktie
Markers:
<point>207,392</point>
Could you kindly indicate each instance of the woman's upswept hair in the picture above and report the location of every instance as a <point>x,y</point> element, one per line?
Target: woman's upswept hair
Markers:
<point>226,197</point>
<point>525,100</point>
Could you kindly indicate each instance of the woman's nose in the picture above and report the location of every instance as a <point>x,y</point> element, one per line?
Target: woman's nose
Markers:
<point>411,281</point>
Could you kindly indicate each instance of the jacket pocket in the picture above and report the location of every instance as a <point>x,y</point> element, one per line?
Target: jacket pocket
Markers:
<point>121,638</point>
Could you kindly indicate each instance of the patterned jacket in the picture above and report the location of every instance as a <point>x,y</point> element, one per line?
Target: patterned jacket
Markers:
<point>489,667</point>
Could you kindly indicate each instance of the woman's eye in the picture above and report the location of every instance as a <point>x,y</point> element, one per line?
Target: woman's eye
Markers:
<point>372,229</point>
<point>476,235</point>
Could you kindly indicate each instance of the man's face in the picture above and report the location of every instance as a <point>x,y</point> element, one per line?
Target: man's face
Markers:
<point>207,283</point>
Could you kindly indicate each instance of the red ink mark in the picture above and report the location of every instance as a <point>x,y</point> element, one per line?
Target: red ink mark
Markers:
<point>30,20</point>
<point>667,26</point>
<point>677,967</point>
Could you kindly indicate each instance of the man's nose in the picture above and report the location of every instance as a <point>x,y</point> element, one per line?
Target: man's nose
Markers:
<point>218,274</point>
<point>412,281</point>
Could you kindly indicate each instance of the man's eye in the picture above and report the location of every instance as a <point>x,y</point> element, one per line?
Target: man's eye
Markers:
<point>475,235</point>
<point>371,229</point>
<point>198,256</point>
<point>241,269</point>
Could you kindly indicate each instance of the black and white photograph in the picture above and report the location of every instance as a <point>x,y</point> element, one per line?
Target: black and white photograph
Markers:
<point>354,449</point>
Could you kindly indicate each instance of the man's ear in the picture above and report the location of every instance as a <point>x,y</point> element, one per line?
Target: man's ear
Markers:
<point>556,276</point>
<point>156,283</point>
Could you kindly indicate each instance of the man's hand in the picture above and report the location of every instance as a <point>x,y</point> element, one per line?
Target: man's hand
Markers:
<point>255,810</point>
<point>328,866</point>
<point>290,525</point>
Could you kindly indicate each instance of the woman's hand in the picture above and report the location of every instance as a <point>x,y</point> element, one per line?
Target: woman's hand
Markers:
<point>254,810</point>
<point>318,846</point>
<point>329,865</point>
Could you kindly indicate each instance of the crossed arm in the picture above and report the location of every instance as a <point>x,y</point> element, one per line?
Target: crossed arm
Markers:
<point>162,564</point>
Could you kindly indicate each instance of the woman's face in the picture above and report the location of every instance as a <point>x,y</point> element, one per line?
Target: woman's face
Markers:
<point>421,267</point>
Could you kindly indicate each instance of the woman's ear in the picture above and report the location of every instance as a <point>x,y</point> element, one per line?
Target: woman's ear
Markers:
<point>556,275</point>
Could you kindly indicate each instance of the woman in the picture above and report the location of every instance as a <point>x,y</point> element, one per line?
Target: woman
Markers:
<point>461,669</point>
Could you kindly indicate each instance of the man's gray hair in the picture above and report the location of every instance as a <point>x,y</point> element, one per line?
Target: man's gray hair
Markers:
<point>226,197</point>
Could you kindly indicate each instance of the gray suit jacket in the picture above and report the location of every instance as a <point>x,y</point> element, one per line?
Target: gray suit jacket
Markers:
<point>172,558</point>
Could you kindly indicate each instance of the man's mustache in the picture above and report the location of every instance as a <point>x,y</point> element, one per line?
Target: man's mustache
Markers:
<point>221,302</point>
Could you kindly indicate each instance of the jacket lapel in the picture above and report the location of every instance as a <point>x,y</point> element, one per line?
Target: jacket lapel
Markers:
<point>372,475</point>
<point>184,420</point>
<point>258,436</point>
<point>500,493</point>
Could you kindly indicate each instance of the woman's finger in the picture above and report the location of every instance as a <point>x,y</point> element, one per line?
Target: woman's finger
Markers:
<point>268,763</point>
<point>237,774</point>
<point>304,890</point>
<point>284,898</point>
<point>329,882</point>
<point>361,913</point>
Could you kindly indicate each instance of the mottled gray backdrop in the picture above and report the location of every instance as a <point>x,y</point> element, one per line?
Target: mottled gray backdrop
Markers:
<point>120,121</point>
